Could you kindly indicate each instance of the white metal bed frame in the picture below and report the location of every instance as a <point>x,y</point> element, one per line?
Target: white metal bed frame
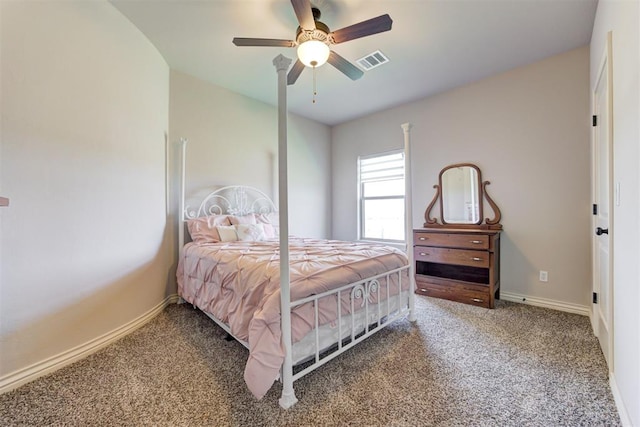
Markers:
<point>243,200</point>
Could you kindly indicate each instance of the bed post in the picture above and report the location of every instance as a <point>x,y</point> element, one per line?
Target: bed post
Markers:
<point>288,398</point>
<point>408,218</point>
<point>183,160</point>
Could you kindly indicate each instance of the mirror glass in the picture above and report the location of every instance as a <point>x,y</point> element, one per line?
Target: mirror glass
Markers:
<point>460,195</point>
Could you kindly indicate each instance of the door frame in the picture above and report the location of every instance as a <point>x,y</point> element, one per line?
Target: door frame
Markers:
<point>604,62</point>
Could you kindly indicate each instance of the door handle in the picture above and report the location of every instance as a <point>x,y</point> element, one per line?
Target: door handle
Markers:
<point>601,231</point>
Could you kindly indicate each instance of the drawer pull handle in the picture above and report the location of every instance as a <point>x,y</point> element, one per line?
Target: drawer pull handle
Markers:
<point>422,238</point>
<point>476,300</point>
<point>476,242</point>
<point>424,253</point>
<point>475,258</point>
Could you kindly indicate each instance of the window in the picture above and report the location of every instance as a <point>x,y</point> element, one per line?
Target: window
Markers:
<point>381,193</point>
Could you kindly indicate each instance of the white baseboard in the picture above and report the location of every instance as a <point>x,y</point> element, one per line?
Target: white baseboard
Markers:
<point>622,410</point>
<point>22,376</point>
<point>546,303</point>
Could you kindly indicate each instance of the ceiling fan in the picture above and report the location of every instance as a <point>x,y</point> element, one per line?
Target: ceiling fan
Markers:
<point>313,39</point>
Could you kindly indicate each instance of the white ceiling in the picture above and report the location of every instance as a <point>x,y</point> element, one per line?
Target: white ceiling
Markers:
<point>433,45</point>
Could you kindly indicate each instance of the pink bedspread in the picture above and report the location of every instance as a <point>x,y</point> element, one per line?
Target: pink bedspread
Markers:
<point>238,282</point>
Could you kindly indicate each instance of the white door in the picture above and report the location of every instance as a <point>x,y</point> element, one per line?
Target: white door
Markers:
<point>602,161</point>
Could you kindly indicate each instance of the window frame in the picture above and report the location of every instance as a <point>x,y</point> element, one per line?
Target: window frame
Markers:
<point>362,199</point>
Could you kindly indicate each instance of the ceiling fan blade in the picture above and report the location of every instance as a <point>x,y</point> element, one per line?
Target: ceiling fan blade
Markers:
<point>295,72</point>
<point>346,67</point>
<point>302,8</point>
<point>244,41</point>
<point>362,29</point>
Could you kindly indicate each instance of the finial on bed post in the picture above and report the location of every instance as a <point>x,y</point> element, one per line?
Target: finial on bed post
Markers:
<point>281,63</point>
<point>288,398</point>
<point>408,215</point>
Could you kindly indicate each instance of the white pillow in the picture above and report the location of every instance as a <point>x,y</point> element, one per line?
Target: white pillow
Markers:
<point>250,232</point>
<point>271,224</point>
<point>227,233</point>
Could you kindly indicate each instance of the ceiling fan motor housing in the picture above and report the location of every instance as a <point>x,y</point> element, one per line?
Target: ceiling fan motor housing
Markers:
<point>321,33</point>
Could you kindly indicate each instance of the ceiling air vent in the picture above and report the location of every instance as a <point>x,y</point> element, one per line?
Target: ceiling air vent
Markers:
<point>372,60</point>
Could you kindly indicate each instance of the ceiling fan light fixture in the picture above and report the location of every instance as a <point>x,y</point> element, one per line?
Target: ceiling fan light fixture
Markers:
<point>313,53</point>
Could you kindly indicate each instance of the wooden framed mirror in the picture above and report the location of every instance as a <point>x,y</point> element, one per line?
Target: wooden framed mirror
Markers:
<point>461,194</point>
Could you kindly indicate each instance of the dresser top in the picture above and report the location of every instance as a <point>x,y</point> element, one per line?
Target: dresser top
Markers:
<point>453,230</point>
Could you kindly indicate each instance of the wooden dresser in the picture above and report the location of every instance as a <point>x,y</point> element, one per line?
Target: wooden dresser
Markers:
<point>458,264</point>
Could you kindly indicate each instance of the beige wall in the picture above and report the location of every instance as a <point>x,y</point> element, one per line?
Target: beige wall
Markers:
<point>528,131</point>
<point>233,139</point>
<point>622,18</point>
<point>84,115</point>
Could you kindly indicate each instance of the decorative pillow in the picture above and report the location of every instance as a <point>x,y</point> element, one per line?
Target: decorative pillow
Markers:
<point>227,233</point>
<point>267,218</point>
<point>203,229</point>
<point>246,219</point>
<point>250,232</point>
<point>271,224</point>
<point>269,231</point>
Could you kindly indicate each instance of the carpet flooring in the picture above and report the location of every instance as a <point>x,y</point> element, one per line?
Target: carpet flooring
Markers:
<point>458,365</point>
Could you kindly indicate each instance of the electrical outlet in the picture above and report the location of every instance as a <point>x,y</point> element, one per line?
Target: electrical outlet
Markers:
<point>544,276</point>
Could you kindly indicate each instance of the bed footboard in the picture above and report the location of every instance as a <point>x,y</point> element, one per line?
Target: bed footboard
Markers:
<point>371,304</point>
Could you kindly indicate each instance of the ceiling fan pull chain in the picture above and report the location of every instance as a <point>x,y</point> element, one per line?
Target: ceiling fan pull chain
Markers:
<point>315,92</point>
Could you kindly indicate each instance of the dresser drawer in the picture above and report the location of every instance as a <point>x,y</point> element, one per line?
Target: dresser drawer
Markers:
<point>480,296</point>
<point>452,256</point>
<point>448,240</point>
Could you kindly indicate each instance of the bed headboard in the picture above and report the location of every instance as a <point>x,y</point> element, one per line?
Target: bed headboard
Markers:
<point>238,200</point>
<point>232,200</point>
